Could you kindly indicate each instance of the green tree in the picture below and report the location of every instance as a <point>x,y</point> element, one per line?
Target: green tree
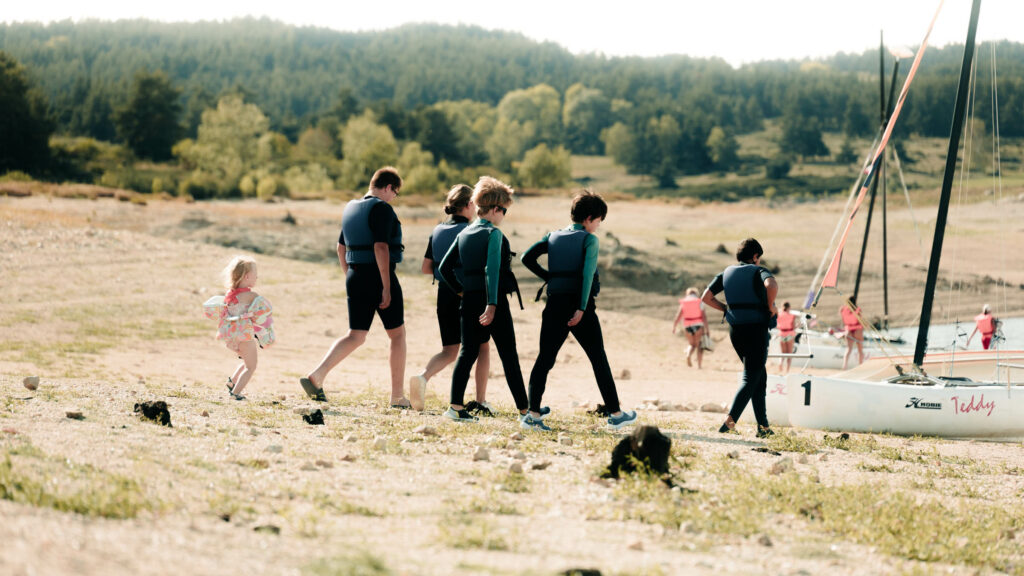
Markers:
<point>471,123</point>
<point>366,146</point>
<point>723,148</point>
<point>509,141</point>
<point>148,121</point>
<point>619,143</point>
<point>778,167</point>
<point>801,135</point>
<point>586,113</point>
<point>543,167</point>
<point>24,124</point>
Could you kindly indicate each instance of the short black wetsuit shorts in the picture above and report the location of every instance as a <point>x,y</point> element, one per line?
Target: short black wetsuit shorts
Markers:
<point>448,304</point>
<point>364,290</point>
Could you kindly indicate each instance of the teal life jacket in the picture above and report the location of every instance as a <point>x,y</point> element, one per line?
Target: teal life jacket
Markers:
<point>441,240</point>
<point>355,223</point>
<point>745,295</point>
<point>566,256</point>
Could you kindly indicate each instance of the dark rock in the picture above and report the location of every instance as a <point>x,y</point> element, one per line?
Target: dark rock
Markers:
<point>267,529</point>
<point>646,445</point>
<point>314,418</point>
<point>155,411</point>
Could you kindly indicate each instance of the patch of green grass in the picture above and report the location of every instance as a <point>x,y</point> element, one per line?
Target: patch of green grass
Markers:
<point>785,441</point>
<point>514,482</point>
<point>473,532</point>
<point>363,564</point>
<point>48,482</point>
<point>872,467</point>
<point>256,463</point>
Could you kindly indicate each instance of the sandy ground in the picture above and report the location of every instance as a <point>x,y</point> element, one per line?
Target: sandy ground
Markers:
<point>101,300</point>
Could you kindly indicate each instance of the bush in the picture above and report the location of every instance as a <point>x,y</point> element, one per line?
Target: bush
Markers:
<point>422,180</point>
<point>778,168</point>
<point>269,187</point>
<point>15,176</point>
<point>199,186</point>
<point>543,167</point>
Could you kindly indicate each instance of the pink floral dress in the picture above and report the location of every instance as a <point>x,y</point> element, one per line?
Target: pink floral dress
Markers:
<point>239,323</point>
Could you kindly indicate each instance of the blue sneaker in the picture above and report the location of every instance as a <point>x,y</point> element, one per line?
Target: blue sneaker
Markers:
<point>627,418</point>
<point>531,423</point>
<point>544,411</point>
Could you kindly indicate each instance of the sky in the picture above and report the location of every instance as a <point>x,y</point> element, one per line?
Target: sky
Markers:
<point>738,31</point>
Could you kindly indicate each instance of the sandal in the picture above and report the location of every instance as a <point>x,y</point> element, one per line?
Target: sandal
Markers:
<point>237,396</point>
<point>311,390</point>
<point>401,404</point>
<point>231,385</point>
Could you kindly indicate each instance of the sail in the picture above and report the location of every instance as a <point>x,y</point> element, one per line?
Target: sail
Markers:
<point>832,275</point>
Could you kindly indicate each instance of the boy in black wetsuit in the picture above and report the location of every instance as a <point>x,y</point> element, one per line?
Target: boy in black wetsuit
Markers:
<point>572,284</point>
<point>485,256</point>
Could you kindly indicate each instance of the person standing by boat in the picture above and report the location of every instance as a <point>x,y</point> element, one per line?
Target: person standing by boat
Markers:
<point>787,336</point>
<point>460,207</point>
<point>986,324</point>
<point>854,330</point>
<point>695,323</point>
<point>749,307</point>
<point>369,247</point>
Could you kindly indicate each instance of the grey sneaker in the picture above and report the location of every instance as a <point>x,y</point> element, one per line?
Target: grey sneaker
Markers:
<point>531,423</point>
<point>459,415</point>
<point>627,418</point>
<point>544,411</point>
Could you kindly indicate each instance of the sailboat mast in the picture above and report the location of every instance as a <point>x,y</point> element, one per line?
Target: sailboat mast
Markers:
<point>885,219</point>
<point>947,186</point>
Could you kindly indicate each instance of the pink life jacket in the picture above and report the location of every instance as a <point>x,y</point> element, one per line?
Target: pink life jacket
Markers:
<point>986,324</point>
<point>850,320</point>
<point>786,321</point>
<point>692,314</point>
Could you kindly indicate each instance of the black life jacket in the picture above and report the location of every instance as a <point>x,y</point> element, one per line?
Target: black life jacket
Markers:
<point>441,240</point>
<point>355,223</point>
<point>566,257</point>
<point>745,295</point>
<point>473,242</point>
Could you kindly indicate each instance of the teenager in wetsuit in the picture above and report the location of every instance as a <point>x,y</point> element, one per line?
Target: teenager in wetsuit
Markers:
<point>750,291</point>
<point>572,284</point>
<point>459,206</point>
<point>369,247</point>
<point>484,255</point>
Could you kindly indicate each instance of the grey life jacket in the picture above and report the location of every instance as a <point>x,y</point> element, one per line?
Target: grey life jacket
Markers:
<point>441,240</point>
<point>355,222</point>
<point>473,255</point>
<point>746,295</point>
<point>566,256</point>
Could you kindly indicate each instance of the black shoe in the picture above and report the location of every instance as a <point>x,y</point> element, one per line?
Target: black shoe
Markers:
<point>764,432</point>
<point>728,426</point>
<point>319,396</point>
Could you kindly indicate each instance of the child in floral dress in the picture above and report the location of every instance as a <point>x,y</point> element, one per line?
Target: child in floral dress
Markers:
<point>246,323</point>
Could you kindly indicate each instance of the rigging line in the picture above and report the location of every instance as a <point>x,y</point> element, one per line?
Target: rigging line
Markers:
<point>998,177</point>
<point>910,205</point>
<point>832,276</point>
<point>955,285</point>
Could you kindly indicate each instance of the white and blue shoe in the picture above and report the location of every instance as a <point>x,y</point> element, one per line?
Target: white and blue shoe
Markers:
<point>544,411</point>
<point>529,422</point>
<point>624,419</point>
<point>459,415</point>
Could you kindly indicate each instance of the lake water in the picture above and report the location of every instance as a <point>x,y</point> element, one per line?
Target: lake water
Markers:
<point>941,335</point>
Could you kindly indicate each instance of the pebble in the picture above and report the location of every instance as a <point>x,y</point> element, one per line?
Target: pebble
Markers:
<point>351,438</point>
<point>638,546</point>
<point>802,459</point>
<point>31,382</point>
<point>254,432</point>
<point>712,407</point>
<point>780,466</point>
<point>308,467</point>
<point>516,468</point>
<point>481,453</point>
<point>324,464</point>
<point>823,457</point>
<point>734,455</point>
<point>348,458</point>
<point>302,411</point>
<point>267,529</point>
<point>380,443</point>
<point>765,540</point>
<point>275,449</point>
<point>541,465</point>
<point>516,436</point>
<point>426,430</point>
<point>519,455</point>
<point>205,414</point>
<point>565,440</point>
<point>626,374</point>
<point>74,415</point>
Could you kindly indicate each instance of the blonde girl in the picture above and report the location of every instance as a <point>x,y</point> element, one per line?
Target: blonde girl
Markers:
<point>246,323</point>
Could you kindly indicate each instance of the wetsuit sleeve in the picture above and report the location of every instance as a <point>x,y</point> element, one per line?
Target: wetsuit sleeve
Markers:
<point>590,250</point>
<point>529,258</point>
<point>447,268</point>
<point>717,285</point>
<point>429,255</point>
<point>765,274</point>
<point>382,222</point>
<point>492,271</point>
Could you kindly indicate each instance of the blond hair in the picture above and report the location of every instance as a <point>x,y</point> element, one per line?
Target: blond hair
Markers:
<point>490,193</point>
<point>236,270</point>
<point>692,290</point>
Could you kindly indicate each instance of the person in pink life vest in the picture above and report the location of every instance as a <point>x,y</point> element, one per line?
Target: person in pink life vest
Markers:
<point>695,323</point>
<point>985,324</point>
<point>787,336</point>
<point>850,313</point>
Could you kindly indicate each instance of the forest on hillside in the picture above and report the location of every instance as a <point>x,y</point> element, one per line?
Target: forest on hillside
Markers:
<point>442,99</point>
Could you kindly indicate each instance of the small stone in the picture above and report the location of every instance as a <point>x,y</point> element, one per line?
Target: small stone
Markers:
<point>205,414</point>
<point>324,464</point>
<point>802,459</point>
<point>713,407</point>
<point>565,440</point>
<point>267,529</point>
<point>31,382</point>
<point>781,466</point>
<point>765,540</point>
<point>653,400</point>
<point>516,468</point>
<point>519,455</point>
<point>638,546</point>
<point>351,438</point>
<point>282,397</point>
<point>426,430</point>
<point>309,467</point>
<point>823,457</point>
<point>302,410</point>
<point>690,407</point>
<point>541,465</point>
<point>481,453</point>
<point>380,443</point>
<point>688,528</point>
<point>348,458</point>
<point>515,436</point>
<point>625,374</point>
<point>314,418</point>
<point>330,333</point>
<point>733,455</point>
<point>666,407</point>
<point>74,415</point>
<point>274,449</point>
<point>10,431</point>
